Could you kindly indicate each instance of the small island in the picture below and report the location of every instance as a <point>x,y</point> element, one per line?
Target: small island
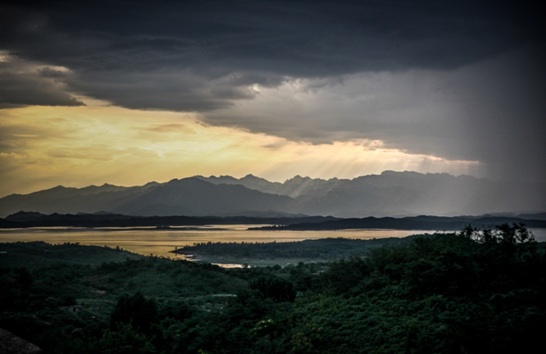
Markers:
<point>283,253</point>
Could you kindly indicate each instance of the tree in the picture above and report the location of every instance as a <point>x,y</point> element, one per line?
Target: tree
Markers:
<point>135,310</point>
<point>502,234</point>
<point>274,288</point>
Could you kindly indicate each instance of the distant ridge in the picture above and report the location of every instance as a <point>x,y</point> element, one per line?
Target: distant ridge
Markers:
<point>295,223</point>
<point>34,219</point>
<point>410,223</point>
<point>387,194</point>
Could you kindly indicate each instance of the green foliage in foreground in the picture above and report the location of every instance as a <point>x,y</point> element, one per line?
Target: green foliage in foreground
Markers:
<point>474,292</point>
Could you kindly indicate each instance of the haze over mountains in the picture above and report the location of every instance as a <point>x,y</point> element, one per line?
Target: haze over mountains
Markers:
<point>387,194</point>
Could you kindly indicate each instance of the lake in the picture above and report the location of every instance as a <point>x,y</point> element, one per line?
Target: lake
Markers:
<point>151,241</point>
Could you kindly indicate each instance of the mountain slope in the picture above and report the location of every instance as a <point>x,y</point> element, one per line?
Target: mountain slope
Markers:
<point>387,194</point>
<point>68,200</point>
<point>406,193</point>
<point>294,187</point>
<point>194,196</point>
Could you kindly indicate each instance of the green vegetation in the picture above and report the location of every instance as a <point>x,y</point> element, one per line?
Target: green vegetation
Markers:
<point>284,253</point>
<point>37,255</point>
<point>478,291</point>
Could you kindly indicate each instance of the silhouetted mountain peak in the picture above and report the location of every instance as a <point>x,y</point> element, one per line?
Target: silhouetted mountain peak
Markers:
<point>59,187</point>
<point>298,178</point>
<point>218,179</point>
<point>189,182</point>
<point>251,177</point>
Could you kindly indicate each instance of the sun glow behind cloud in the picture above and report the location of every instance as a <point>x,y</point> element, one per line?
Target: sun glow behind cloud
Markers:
<point>98,143</point>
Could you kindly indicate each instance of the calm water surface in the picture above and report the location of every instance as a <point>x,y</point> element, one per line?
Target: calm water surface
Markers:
<point>151,241</point>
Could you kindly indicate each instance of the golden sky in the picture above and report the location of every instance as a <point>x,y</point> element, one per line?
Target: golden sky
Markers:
<point>45,146</point>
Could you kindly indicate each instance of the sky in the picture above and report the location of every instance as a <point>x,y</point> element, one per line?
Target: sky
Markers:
<point>127,92</point>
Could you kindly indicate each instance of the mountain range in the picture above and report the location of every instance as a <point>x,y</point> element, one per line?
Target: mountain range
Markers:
<point>387,194</point>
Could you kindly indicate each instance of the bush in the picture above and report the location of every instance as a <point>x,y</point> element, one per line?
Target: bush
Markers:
<point>135,310</point>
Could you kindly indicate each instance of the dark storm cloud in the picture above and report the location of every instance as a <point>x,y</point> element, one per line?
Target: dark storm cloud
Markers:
<point>127,48</point>
<point>26,83</point>
<point>492,111</point>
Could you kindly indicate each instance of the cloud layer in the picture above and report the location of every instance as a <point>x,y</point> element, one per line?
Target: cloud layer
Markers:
<point>201,55</point>
<point>23,83</point>
<point>458,80</point>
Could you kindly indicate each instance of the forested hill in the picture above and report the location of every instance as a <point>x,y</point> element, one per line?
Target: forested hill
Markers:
<point>283,253</point>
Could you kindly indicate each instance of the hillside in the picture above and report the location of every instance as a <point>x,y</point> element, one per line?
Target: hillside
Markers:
<point>427,294</point>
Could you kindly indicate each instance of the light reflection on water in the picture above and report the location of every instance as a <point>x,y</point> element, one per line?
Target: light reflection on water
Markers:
<point>151,241</point>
